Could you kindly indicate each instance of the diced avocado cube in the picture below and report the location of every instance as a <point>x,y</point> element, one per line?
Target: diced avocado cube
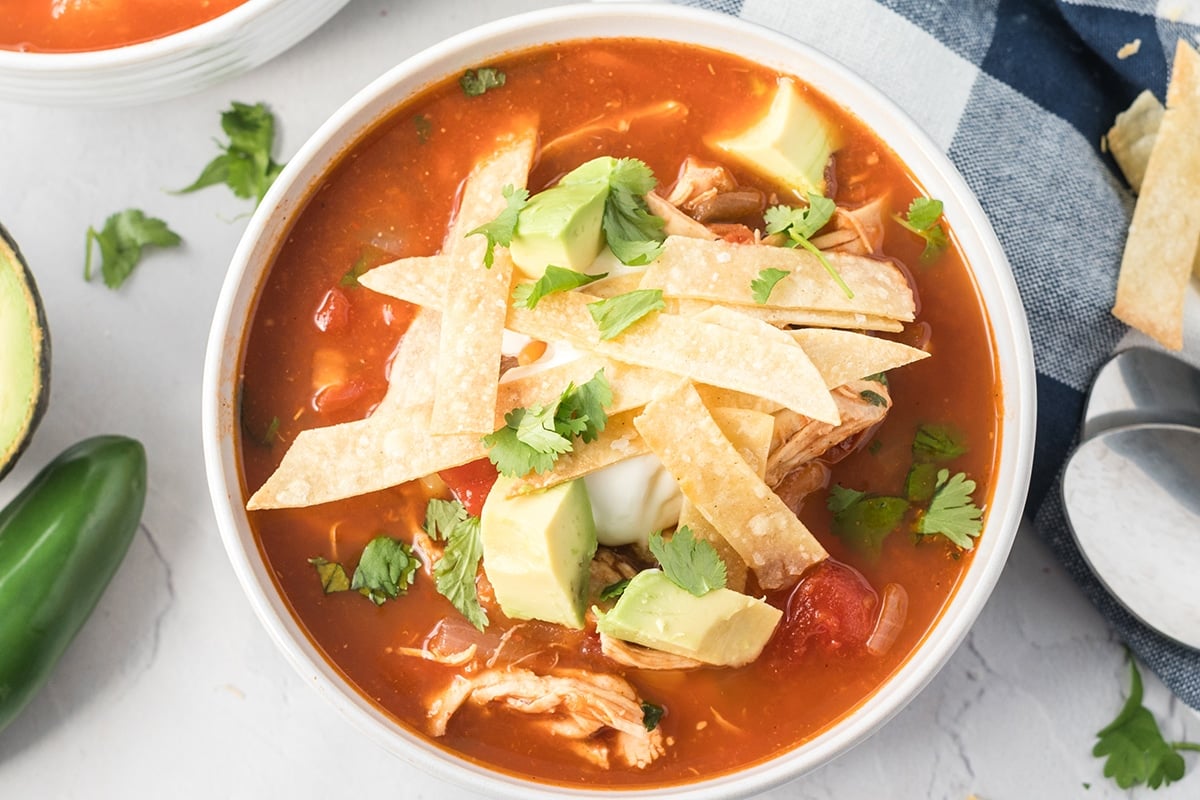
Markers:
<point>791,145</point>
<point>560,226</point>
<point>721,627</point>
<point>537,550</point>
<point>598,169</point>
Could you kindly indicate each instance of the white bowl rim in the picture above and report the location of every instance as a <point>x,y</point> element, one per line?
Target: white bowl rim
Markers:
<point>205,33</point>
<point>971,228</point>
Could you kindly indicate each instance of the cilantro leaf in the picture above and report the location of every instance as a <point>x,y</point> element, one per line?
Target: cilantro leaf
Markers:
<point>532,439</point>
<point>246,165</point>
<point>385,570</point>
<point>614,590</point>
<point>874,398</point>
<point>938,443</point>
<point>920,482</point>
<point>554,280</point>
<point>424,127</point>
<point>441,516</point>
<point>762,286</point>
<point>800,224</point>
<point>692,564</point>
<point>475,82</point>
<point>500,230</point>
<point>651,715</point>
<point>863,521</point>
<point>922,219</point>
<point>272,432</point>
<point>454,573</point>
<point>121,241</point>
<point>332,574</point>
<point>1135,748</point>
<point>614,314</point>
<point>632,233</point>
<point>951,512</point>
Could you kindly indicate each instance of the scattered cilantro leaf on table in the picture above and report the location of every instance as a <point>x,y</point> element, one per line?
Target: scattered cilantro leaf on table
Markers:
<point>651,715</point>
<point>614,314</point>
<point>246,165</point>
<point>1136,751</point>
<point>532,439</point>
<point>951,511</point>
<point>454,573</point>
<point>121,241</point>
<point>690,563</point>
<point>864,521</point>
<point>385,570</point>
<point>475,82</point>
<point>922,219</point>
<point>634,235</point>
<point>332,575</point>
<point>500,230</point>
<point>762,286</point>
<point>800,224</point>
<point>554,280</point>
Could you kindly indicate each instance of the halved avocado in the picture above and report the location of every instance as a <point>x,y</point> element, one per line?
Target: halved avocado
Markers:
<point>24,354</point>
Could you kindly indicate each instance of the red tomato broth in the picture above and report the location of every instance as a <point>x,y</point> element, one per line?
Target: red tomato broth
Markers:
<point>392,195</point>
<point>73,26</point>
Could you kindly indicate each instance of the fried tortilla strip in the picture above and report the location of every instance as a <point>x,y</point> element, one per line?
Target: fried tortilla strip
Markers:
<point>420,280</point>
<point>750,432</point>
<point>683,346</point>
<point>722,271</point>
<point>726,490</point>
<point>475,300</point>
<point>1131,138</point>
<point>414,366</point>
<point>614,285</point>
<point>618,441</point>
<point>1165,233</point>
<point>790,316</point>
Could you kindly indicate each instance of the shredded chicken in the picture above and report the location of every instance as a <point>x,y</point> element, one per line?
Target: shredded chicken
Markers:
<point>697,182</point>
<point>638,657</point>
<point>799,439</point>
<point>675,222</point>
<point>608,567</point>
<point>855,230</point>
<point>603,712</point>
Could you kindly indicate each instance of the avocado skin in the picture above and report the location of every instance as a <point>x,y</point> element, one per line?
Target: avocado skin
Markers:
<point>7,243</point>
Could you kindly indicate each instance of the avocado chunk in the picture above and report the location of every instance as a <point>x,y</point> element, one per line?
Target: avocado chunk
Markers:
<point>791,145</point>
<point>24,356</point>
<point>560,226</point>
<point>537,550</point>
<point>721,627</point>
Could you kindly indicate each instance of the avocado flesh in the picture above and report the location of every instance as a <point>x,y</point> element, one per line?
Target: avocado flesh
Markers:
<point>25,356</point>
<point>790,146</point>
<point>560,226</point>
<point>721,627</point>
<point>537,551</point>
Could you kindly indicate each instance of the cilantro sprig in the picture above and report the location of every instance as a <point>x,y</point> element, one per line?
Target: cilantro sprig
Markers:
<point>864,521</point>
<point>1133,747</point>
<point>922,219</point>
<point>634,235</point>
<point>475,82</point>
<point>500,230</point>
<point>246,165</point>
<point>952,513</point>
<point>386,568</point>
<point>762,286</point>
<point>554,280</point>
<point>938,443</point>
<point>690,563</point>
<point>121,241</point>
<point>800,224</point>
<point>614,314</point>
<point>454,573</point>
<point>651,715</point>
<point>532,439</point>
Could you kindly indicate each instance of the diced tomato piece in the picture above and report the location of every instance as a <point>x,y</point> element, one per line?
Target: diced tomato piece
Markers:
<point>471,483</point>
<point>333,314</point>
<point>337,396</point>
<point>833,608</point>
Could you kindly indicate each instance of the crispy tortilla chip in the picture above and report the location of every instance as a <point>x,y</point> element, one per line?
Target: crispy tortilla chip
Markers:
<point>750,432</point>
<point>1165,233</point>
<point>682,346</point>
<point>618,441</point>
<point>614,285</point>
<point>722,271</point>
<point>790,316</point>
<point>413,368</point>
<point>475,301</point>
<point>420,279</point>
<point>632,386</point>
<point>714,476</point>
<point>1131,138</point>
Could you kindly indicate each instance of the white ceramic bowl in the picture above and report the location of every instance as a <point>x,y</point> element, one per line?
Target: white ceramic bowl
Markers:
<point>933,171</point>
<point>177,64</point>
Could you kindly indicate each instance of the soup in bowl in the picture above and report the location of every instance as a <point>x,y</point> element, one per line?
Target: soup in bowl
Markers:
<point>587,412</point>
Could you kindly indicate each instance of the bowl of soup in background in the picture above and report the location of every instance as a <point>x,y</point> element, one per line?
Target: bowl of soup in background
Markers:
<point>103,54</point>
<point>385,106</point>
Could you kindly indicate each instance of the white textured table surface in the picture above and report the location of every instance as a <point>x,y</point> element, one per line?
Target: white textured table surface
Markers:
<point>173,687</point>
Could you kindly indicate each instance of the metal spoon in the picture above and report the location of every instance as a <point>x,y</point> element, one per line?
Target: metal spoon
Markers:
<point>1141,385</point>
<point>1132,500</point>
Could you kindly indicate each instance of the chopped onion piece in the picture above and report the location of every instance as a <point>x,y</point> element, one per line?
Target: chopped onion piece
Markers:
<point>893,610</point>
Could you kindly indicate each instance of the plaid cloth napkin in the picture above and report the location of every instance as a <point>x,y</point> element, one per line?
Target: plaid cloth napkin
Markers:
<point>1019,93</point>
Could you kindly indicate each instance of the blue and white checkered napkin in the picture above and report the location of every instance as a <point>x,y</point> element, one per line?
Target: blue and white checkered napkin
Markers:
<point>1019,93</point>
